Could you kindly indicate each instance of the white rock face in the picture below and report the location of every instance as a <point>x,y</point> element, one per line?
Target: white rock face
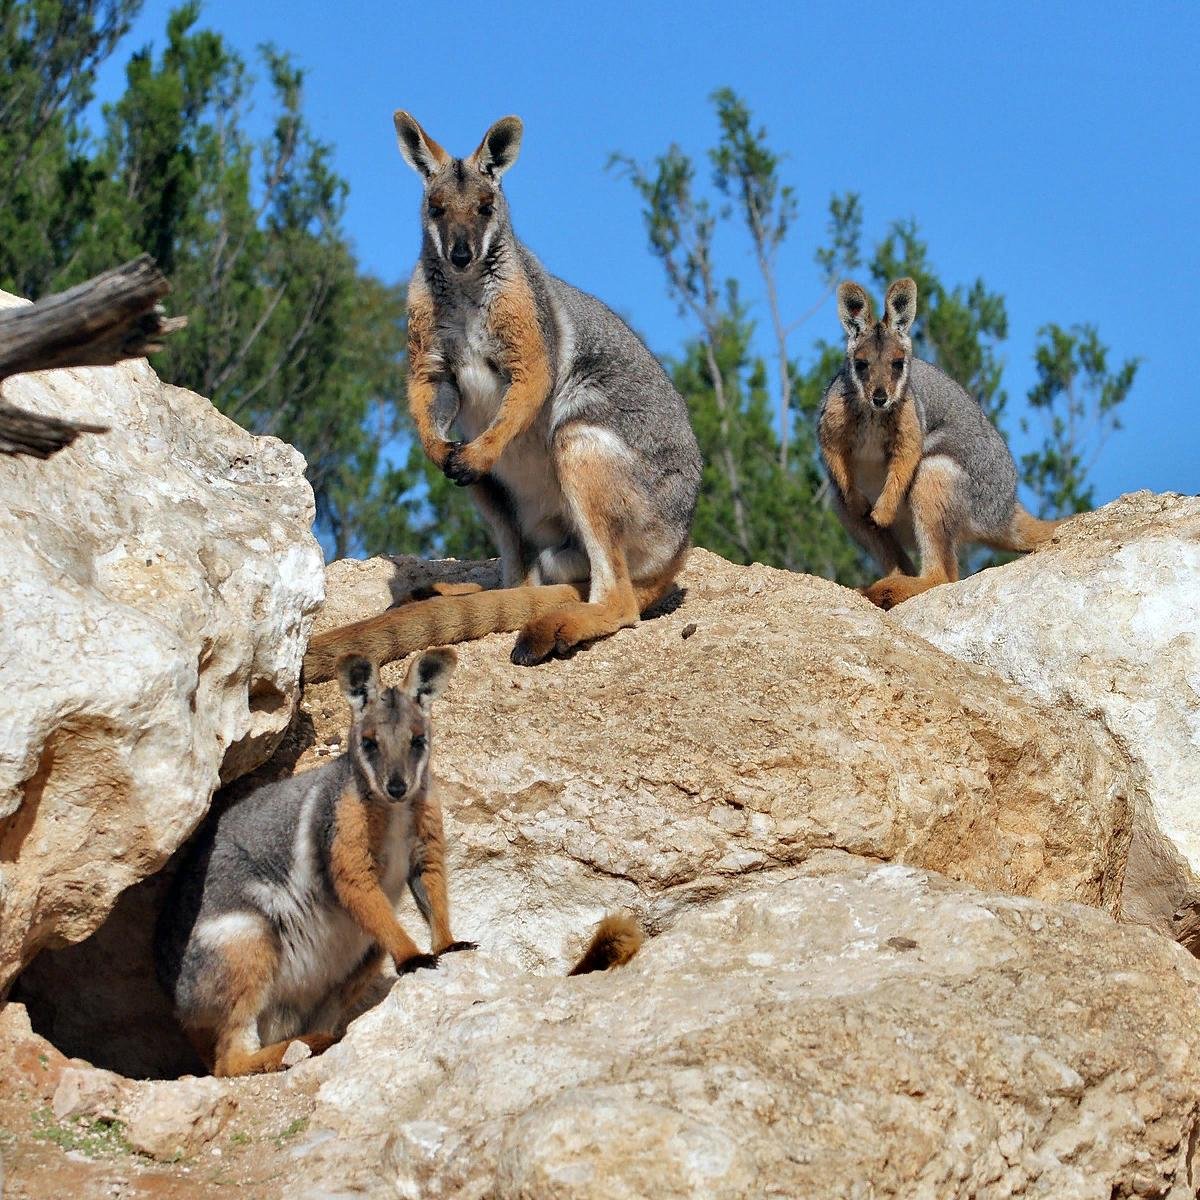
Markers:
<point>1105,621</point>
<point>156,590</point>
<point>853,1030</point>
<point>169,1121</point>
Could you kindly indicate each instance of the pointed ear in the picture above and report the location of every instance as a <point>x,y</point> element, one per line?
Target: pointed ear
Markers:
<point>900,306</point>
<point>358,678</point>
<point>428,675</point>
<point>854,308</point>
<point>499,148</point>
<point>420,151</point>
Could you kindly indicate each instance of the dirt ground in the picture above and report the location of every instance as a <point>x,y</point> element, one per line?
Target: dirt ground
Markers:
<point>41,1158</point>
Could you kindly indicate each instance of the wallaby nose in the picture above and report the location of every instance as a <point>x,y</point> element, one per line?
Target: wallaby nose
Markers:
<point>396,787</point>
<point>880,398</point>
<point>460,253</point>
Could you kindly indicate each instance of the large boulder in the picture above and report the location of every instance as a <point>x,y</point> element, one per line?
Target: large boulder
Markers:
<point>1104,622</point>
<point>848,1030</point>
<point>766,717</point>
<point>157,585</point>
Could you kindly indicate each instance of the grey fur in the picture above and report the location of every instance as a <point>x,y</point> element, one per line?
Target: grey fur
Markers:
<point>604,379</point>
<point>962,474</point>
<point>955,426</point>
<point>264,865</point>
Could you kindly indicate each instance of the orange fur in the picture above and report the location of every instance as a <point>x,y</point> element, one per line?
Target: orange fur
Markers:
<point>930,500</point>
<point>615,941</point>
<point>424,369</point>
<point>513,319</point>
<point>354,866</point>
<point>1026,532</point>
<point>835,434</point>
<point>431,842</point>
<point>436,622</point>
<point>904,455</point>
<point>589,490</point>
<point>249,965</point>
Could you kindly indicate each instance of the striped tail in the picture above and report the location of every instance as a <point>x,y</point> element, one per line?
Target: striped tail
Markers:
<point>436,622</point>
<point>1024,532</point>
<point>616,940</point>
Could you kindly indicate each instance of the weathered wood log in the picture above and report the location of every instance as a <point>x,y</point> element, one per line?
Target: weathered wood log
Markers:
<point>110,318</point>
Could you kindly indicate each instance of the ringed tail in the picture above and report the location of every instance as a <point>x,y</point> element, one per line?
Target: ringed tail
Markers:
<point>435,622</point>
<point>616,940</point>
<point>1027,532</point>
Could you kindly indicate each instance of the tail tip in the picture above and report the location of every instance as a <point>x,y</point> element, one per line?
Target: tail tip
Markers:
<point>617,938</point>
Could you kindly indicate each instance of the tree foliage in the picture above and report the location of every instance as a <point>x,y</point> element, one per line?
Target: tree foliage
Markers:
<point>289,336</point>
<point>286,335</point>
<point>1077,400</point>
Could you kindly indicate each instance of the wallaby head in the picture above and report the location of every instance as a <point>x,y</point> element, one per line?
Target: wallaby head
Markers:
<point>464,209</point>
<point>390,731</point>
<point>878,352</point>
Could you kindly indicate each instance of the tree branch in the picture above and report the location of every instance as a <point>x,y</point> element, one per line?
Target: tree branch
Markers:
<point>110,318</point>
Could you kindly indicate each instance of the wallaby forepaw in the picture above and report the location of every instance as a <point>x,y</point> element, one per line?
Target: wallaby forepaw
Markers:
<point>457,469</point>
<point>418,962</point>
<point>454,947</point>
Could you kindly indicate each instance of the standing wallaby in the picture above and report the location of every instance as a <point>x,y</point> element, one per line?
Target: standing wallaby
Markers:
<point>913,458</point>
<point>578,452</point>
<point>287,908</point>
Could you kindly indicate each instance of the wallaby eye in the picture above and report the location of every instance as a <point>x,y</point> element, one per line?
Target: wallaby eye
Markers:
<point>436,211</point>
<point>860,366</point>
<point>486,209</point>
<point>420,742</point>
<point>369,745</point>
<point>897,365</point>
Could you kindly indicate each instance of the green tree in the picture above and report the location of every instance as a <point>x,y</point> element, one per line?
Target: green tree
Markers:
<point>49,53</point>
<point>757,500</point>
<point>1077,398</point>
<point>286,335</point>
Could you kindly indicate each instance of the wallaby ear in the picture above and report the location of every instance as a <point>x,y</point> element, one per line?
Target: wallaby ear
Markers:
<point>854,308</point>
<point>499,148</point>
<point>358,678</point>
<point>428,675</point>
<point>420,151</point>
<point>900,305</point>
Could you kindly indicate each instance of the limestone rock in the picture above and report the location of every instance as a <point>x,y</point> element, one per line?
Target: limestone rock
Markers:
<point>173,1120</point>
<point>1105,622</point>
<point>156,590</point>
<point>655,771</point>
<point>87,1092</point>
<point>844,1030</point>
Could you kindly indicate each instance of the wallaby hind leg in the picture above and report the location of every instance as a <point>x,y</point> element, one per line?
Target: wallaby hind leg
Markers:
<point>247,964</point>
<point>881,544</point>
<point>601,500</point>
<point>938,519</point>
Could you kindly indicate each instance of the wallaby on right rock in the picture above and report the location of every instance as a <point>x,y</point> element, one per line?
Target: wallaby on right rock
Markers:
<point>913,458</point>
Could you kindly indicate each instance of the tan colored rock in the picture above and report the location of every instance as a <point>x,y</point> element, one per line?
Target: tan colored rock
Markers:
<point>156,590</point>
<point>656,771</point>
<point>1105,622</point>
<point>87,1092</point>
<point>174,1120</point>
<point>847,1030</point>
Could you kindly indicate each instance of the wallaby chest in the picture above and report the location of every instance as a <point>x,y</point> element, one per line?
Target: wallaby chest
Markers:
<point>472,354</point>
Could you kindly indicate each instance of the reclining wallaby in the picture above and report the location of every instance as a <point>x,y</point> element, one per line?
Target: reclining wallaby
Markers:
<point>913,458</point>
<point>285,911</point>
<point>579,452</point>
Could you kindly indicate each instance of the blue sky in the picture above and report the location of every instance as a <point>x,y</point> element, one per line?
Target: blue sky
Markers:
<point>1049,148</point>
